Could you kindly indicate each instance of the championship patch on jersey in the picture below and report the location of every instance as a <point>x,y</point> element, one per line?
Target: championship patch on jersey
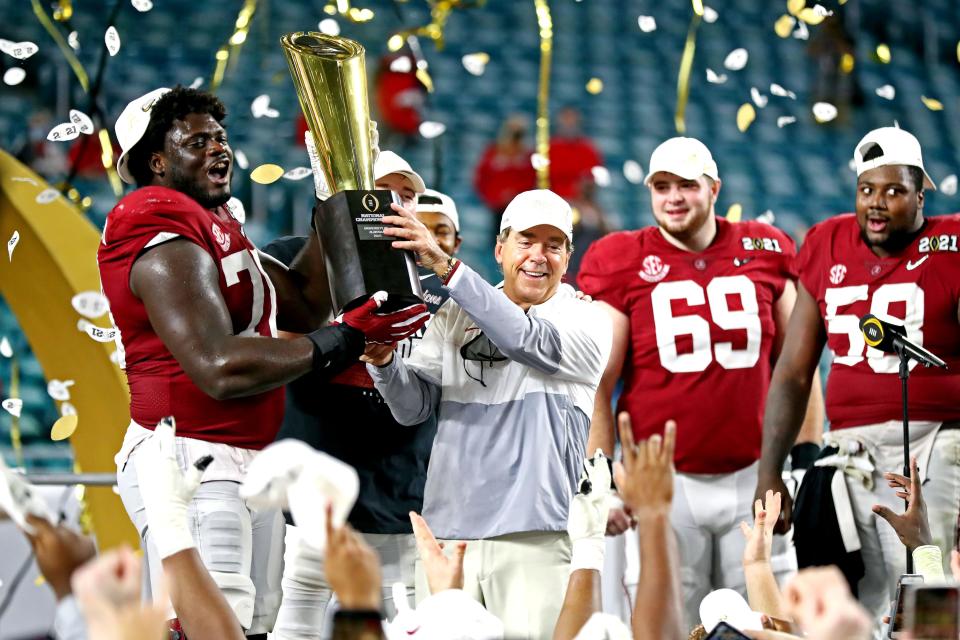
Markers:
<point>931,244</point>
<point>653,269</point>
<point>761,244</point>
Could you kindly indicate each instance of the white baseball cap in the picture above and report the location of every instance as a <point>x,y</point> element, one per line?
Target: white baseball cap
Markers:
<point>431,201</point>
<point>388,162</point>
<point>685,157</point>
<point>130,127</point>
<point>726,605</point>
<point>446,615</point>
<point>539,206</point>
<point>895,146</point>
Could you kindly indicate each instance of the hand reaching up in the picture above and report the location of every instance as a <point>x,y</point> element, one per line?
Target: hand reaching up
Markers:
<point>645,477</point>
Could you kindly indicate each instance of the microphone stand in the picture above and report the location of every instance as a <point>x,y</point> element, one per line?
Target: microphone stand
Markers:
<point>904,377</point>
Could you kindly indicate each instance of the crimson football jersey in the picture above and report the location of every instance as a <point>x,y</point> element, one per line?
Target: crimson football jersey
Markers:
<point>701,334</point>
<point>919,288</point>
<point>158,384</point>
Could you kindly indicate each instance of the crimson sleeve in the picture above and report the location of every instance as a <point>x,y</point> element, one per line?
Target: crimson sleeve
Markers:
<point>596,277</point>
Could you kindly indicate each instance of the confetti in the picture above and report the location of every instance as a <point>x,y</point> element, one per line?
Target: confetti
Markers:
<point>13,406</point>
<point>74,41</point>
<point>883,53</point>
<point>767,217</point>
<point>241,159</point>
<point>948,186</point>
<point>18,50</point>
<point>735,212</point>
<point>801,33</point>
<point>822,11</point>
<point>47,196</point>
<point>601,175</point>
<point>64,427</point>
<point>887,92</point>
<point>714,78</point>
<point>5,349</point>
<point>197,82</point>
<point>784,26</point>
<point>475,63</point>
<point>539,161</point>
<point>401,65</point>
<point>811,17</point>
<point>266,173</point>
<point>824,112</point>
<point>594,86</point>
<point>736,59</point>
<point>298,173</point>
<point>430,129</point>
<point>758,98</point>
<point>852,165</point>
<point>14,76</point>
<point>100,334</point>
<point>931,103</point>
<point>633,172</point>
<point>59,389</point>
<point>777,90</point>
<point>795,6</point>
<point>112,39</point>
<point>260,107</point>
<point>746,114</point>
<point>709,15</point>
<point>63,132</point>
<point>142,5</point>
<point>26,179</point>
<point>82,120</point>
<point>783,121</point>
<point>67,409</point>
<point>647,23</point>
<point>329,26</point>
<point>90,304</point>
<point>12,244</point>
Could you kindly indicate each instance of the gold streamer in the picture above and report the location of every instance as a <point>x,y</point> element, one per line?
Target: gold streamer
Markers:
<point>15,442</point>
<point>683,77</point>
<point>64,11</point>
<point>545,23</point>
<point>65,49</point>
<point>241,29</point>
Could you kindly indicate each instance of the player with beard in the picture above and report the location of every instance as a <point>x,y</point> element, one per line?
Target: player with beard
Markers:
<point>197,308</point>
<point>700,306</point>
<point>889,260</point>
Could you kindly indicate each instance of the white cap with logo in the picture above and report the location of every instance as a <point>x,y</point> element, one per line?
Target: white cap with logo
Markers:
<point>388,162</point>
<point>431,201</point>
<point>685,157</point>
<point>890,145</point>
<point>728,606</point>
<point>130,127</point>
<point>540,206</point>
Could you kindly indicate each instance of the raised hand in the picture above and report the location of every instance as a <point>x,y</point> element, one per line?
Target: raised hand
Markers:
<point>760,537</point>
<point>411,234</point>
<point>59,552</point>
<point>912,527</point>
<point>645,477</point>
<point>443,571</point>
<point>352,568</point>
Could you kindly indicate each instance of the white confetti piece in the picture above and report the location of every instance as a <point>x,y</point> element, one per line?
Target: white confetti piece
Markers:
<point>47,196</point>
<point>90,304</point>
<point>329,26</point>
<point>539,161</point>
<point>822,11</point>
<point>260,107</point>
<point>67,409</point>
<point>82,120</point>
<point>948,186</point>
<point>59,389</point>
<point>14,76</point>
<point>142,5</point>
<point>197,82</point>
<point>601,175</point>
<point>26,179</point>
<point>801,32</point>
<point>74,41</point>
<point>5,349</point>
<point>63,132</point>
<point>430,129</point>
<point>475,63</point>
<point>13,406</point>
<point>633,172</point>
<point>714,78</point>
<point>112,39</point>
<point>647,23</point>
<point>298,173</point>
<point>852,165</point>
<point>777,90</point>
<point>767,217</point>
<point>710,15</point>
<point>783,121</point>
<point>401,65</point>
<point>19,50</point>
<point>887,92</point>
<point>758,98</point>
<point>100,334</point>
<point>241,159</point>
<point>12,244</point>
<point>824,111</point>
<point>115,358</point>
<point>736,59</point>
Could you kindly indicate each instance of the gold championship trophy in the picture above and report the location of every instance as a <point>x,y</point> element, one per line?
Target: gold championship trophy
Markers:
<point>330,77</point>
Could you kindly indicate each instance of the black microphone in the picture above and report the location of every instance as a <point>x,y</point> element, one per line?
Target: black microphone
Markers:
<point>892,338</point>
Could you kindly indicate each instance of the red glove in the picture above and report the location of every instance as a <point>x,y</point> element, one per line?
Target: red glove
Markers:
<point>386,328</point>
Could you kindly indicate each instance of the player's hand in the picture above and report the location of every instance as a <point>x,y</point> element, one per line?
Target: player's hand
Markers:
<point>912,527</point>
<point>760,538</point>
<point>619,520</point>
<point>586,297</point>
<point>645,477</point>
<point>774,483</point>
<point>820,602</point>
<point>379,355</point>
<point>352,568</point>
<point>385,328</point>
<point>443,571</point>
<point>59,552</point>
<point>412,235</point>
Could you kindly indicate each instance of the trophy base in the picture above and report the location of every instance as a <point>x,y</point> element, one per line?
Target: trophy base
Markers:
<point>359,257</point>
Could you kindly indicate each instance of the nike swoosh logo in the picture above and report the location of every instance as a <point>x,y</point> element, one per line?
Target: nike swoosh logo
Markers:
<point>911,265</point>
<point>429,275</point>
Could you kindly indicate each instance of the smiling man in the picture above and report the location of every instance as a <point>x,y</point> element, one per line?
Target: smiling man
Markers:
<point>891,261</point>
<point>511,373</point>
<point>198,312</point>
